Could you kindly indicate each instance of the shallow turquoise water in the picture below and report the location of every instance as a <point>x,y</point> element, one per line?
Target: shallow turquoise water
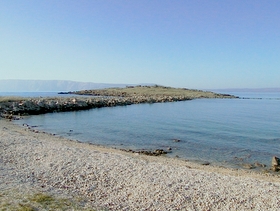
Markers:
<point>226,132</point>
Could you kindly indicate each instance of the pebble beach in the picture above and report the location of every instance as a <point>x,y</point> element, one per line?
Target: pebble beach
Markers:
<point>100,178</point>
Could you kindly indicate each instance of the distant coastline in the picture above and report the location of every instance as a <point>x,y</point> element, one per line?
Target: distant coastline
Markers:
<point>14,85</point>
<point>50,85</point>
<point>246,90</point>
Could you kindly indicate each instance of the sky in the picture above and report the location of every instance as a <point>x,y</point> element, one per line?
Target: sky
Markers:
<point>201,44</point>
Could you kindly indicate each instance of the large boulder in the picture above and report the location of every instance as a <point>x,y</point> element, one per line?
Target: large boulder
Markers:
<point>275,164</point>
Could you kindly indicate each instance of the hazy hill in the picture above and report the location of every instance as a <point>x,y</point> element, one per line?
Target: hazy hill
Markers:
<point>50,85</point>
<point>248,90</point>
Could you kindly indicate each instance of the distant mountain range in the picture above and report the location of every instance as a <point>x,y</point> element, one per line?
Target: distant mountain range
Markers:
<point>65,86</point>
<point>51,85</point>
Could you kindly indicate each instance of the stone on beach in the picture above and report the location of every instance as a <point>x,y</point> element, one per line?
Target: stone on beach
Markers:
<point>275,163</point>
<point>248,166</point>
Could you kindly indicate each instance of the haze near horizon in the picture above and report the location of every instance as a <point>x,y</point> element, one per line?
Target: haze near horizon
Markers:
<point>194,44</point>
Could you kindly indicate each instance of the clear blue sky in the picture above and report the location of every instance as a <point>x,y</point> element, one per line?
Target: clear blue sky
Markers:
<point>182,43</point>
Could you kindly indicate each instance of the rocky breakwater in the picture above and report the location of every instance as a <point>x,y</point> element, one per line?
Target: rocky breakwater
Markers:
<point>29,106</point>
<point>25,106</point>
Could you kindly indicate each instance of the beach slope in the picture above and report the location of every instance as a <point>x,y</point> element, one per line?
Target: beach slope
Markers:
<point>97,178</point>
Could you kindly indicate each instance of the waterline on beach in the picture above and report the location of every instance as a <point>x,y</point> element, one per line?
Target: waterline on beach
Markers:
<point>228,132</point>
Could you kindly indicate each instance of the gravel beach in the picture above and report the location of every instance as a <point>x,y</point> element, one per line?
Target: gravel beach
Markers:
<point>107,179</point>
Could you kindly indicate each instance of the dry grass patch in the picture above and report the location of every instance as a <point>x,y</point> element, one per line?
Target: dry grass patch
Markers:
<point>38,201</point>
<point>11,99</point>
<point>152,91</point>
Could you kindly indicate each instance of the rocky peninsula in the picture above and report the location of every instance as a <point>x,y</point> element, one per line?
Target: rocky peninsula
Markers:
<point>11,106</point>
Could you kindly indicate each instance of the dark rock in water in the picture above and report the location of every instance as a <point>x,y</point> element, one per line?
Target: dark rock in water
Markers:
<point>160,151</point>
<point>275,164</point>
<point>157,152</point>
<point>176,140</point>
<point>205,163</point>
<point>63,93</point>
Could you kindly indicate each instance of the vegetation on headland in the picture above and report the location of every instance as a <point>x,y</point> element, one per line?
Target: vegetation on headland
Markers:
<point>7,99</point>
<point>103,98</point>
<point>152,91</point>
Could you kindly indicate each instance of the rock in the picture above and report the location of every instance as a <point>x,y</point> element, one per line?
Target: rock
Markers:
<point>257,164</point>
<point>275,164</point>
<point>176,140</point>
<point>156,152</point>
<point>205,163</point>
<point>275,168</point>
<point>275,161</point>
<point>239,159</point>
<point>248,166</point>
<point>160,151</point>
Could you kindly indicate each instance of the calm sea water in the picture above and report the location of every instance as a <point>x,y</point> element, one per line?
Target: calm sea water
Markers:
<point>34,94</point>
<point>227,132</point>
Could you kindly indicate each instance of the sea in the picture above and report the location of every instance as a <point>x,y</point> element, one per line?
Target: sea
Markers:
<point>223,132</point>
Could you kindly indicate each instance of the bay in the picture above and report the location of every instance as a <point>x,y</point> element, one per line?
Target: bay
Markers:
<point>226,132</point>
